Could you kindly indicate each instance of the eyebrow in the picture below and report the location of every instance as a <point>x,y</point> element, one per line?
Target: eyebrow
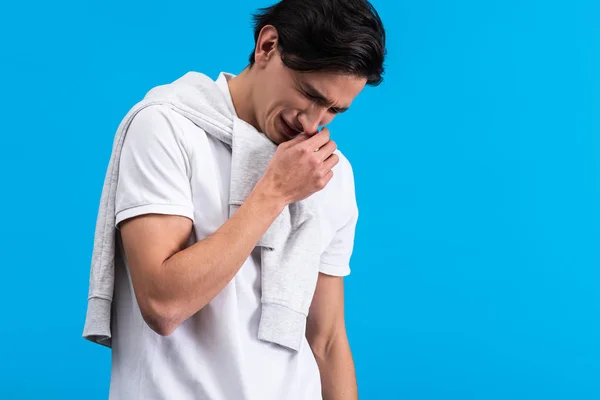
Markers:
<point>319,97</point>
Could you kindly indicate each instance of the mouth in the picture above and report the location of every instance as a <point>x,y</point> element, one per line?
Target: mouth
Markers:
<point>288,130</point>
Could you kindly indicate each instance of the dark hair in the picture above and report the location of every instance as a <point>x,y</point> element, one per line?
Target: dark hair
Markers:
<point>327,35</point>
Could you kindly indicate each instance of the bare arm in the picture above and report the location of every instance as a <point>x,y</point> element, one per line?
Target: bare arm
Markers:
<point>172,283</point>
<point>326,334</point>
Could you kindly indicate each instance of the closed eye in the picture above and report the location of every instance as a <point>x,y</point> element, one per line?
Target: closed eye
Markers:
<point>316,99</point>
<point>322,102</point>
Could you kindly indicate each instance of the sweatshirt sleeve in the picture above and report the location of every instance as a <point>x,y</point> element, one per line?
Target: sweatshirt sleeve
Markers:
<point>154,168</point>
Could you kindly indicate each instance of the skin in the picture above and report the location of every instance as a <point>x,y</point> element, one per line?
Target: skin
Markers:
<point>305,100</point>
<point>172,282</point>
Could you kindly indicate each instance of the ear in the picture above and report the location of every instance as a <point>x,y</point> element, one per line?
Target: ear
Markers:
<point>266,45</point>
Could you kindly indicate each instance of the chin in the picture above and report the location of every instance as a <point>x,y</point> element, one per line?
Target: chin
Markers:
<point>275,138</point>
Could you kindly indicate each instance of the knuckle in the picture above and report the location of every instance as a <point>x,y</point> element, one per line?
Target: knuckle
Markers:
<point>314,162</point>
<point>303,150</point>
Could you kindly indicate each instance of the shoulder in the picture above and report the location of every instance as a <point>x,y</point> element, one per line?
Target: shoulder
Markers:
<point>338,199</point>
<point>343,173</point>
<point>156,118</point>
<point>161,125</point>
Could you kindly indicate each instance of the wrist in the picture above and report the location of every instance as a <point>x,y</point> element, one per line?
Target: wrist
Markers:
<point>268,196</point>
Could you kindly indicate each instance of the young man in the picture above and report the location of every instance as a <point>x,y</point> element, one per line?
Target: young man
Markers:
<point>187,306</point>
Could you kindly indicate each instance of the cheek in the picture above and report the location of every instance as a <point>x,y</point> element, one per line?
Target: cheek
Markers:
<point>288,107</point>
<point>290,99</point>
<point>272,114</point>
<point>301,103</point>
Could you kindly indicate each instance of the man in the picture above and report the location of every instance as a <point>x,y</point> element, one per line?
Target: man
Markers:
<point>187,296</point>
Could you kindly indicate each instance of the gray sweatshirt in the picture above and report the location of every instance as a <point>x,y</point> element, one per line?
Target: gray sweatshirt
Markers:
<point>289,248</point>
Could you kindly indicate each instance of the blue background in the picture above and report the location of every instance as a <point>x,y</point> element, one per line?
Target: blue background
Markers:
<point>475,271</point>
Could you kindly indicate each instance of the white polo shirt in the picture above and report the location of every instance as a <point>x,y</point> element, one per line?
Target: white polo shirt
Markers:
<point>170,166</point>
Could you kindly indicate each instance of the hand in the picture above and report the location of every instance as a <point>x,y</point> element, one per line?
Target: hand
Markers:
<point>296,171</point>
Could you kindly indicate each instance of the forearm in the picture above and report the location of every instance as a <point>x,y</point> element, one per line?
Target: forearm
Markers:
<point>338,377</point>
<point>192,277</point>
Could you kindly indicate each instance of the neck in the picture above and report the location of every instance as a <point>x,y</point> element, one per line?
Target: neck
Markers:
<point>240,88</point>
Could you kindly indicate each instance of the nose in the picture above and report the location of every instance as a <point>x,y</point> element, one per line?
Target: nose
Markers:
<point>312,119</point>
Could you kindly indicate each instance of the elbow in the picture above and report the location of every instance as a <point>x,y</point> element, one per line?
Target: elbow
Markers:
<point>159,326</point>
<point>325,343</point>
<point>159,317</point>
<point>321,345</point>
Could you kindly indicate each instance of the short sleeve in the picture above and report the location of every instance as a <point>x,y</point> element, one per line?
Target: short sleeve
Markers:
<point>335,260</point>
<point>153,168</point>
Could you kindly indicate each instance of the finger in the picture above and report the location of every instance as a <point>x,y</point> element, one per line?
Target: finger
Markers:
<point>327,150</point>
<point>328,177</point>
<point>331,161</point>
<point>320,139</point>
<point>302,137</point>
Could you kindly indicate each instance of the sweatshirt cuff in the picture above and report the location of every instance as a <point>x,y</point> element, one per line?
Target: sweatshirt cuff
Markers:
<point>97,321</point>
<point>282,325</point>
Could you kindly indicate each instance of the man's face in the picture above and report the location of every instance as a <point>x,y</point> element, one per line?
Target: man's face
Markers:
<point>288,102</point>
